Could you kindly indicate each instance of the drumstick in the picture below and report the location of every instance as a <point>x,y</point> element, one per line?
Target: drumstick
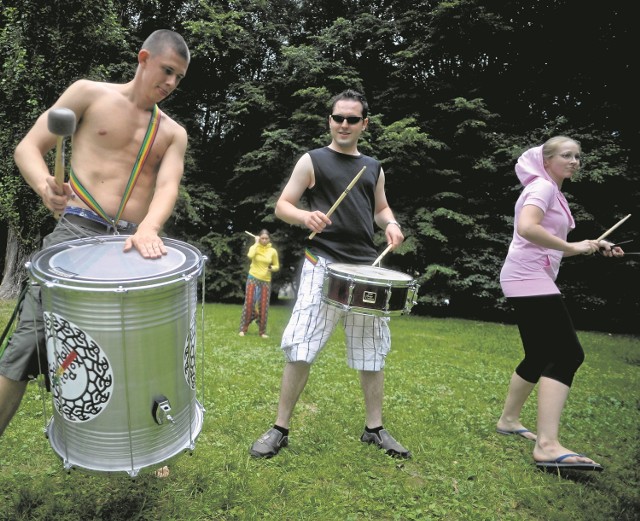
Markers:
<point>249,233</point>
<point>387,249</point>
<point>613,228</point>
<point>344,194</point>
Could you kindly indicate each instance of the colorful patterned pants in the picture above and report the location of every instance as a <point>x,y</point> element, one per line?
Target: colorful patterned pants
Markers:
<point>256,304</point>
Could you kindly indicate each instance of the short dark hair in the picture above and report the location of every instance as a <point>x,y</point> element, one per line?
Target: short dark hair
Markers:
<point>354,95</point>
<point>158,40</point>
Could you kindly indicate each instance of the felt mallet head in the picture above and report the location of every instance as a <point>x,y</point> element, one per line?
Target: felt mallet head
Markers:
<point>61,122</point>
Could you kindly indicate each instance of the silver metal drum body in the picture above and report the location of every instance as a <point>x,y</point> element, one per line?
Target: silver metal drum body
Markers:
<point>121,342</point>
<point>369,290</point>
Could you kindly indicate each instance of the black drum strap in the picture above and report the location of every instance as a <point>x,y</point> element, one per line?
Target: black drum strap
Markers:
<point>7,329</point>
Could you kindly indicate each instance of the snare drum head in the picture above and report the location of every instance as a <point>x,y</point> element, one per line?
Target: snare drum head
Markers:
<point>365,272</point>
<point>100,260</point>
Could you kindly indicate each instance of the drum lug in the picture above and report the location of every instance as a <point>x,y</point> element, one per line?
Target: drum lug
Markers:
<point>411,298</point>
<point>161,410</point>
<point>352,286</point>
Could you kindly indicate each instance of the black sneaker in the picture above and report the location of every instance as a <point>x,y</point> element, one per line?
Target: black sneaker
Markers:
<point>269,444</point>
<point>385,441</point>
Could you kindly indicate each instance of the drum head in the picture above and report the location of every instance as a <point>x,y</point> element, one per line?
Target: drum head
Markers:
<point>100,261</point>
<point>364,272</point>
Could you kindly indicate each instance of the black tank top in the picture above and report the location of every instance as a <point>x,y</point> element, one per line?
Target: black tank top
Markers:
<point>349,239</point>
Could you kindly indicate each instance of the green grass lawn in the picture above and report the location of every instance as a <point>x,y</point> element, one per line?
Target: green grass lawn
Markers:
<point>445,383</point>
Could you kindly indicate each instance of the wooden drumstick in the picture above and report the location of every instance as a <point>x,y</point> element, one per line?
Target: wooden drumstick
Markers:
<point>250,234</point>
<point>344,194</point>
<point>613,228</point>
<point>387,249</point>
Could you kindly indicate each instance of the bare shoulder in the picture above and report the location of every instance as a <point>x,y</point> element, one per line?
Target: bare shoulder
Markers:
<point>168,120</point>
<point>302,176</point>
<point>304,166</point>
<point>93,89</point>
<point>175,129</point>
<point>83,93</point>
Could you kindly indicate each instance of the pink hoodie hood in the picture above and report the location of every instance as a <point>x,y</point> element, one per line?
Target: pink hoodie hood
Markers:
<point>530,166</point>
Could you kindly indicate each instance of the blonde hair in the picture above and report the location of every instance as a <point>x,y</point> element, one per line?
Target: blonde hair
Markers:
<point>551,145</point>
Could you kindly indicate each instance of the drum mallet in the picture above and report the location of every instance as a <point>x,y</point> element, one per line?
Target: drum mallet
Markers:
<point>344,194</point>
<point>62,123</point>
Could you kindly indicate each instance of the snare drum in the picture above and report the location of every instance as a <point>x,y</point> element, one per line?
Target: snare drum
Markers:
<point>120,333</point>
<point>369,290</point>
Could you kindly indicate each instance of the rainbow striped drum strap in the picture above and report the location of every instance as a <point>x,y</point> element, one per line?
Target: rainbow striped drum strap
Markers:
<point>145,148</point>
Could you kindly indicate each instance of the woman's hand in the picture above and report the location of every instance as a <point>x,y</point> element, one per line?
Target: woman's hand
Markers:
<point>609,249</point>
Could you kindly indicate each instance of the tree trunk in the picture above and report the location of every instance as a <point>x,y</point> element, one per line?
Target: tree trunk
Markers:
<point>14,271</point>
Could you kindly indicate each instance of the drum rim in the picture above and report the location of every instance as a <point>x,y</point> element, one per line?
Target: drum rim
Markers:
<point>193,265</point>
<point>334,268</point>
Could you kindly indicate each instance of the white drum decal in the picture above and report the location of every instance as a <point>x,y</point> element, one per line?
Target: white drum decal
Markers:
<point>81,374</point>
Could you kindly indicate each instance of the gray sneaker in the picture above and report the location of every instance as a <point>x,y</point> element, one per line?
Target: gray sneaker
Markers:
<point>269,444</point>
<point>385,441</point>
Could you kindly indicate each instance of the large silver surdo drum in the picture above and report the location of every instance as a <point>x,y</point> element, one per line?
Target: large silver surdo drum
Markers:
<point>369,290</point>
<point>121,342</point>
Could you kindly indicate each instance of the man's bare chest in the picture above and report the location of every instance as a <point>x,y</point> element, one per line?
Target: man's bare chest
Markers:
<point>122,132</point>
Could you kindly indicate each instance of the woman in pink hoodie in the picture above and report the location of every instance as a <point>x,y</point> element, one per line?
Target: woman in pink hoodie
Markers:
<point>552,351</point>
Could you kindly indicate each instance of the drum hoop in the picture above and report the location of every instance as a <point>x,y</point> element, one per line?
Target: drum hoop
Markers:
<point>193,266</point>
<point>335,269</point>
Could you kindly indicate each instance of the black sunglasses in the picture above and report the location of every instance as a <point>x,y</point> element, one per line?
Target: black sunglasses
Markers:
<point>352,120</point>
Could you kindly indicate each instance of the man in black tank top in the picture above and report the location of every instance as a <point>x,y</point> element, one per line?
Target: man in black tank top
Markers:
<point>342,234</point>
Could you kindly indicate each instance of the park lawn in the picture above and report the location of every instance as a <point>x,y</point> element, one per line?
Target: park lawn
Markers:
<point>445,383</point>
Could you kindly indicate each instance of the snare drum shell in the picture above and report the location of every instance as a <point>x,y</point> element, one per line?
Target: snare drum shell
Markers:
<point>367,289</point>
<point>118,347</point>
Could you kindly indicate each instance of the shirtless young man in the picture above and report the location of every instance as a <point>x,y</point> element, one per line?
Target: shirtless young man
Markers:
<point>113,121</point>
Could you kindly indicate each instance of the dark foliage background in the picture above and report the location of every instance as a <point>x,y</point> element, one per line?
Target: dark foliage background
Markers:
<point>457,90</point>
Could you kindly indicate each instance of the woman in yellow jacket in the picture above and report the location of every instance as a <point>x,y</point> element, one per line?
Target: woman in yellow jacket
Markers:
<point>264,262</point>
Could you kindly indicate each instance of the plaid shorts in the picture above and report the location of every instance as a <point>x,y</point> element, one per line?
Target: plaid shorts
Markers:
<point>313,320</point>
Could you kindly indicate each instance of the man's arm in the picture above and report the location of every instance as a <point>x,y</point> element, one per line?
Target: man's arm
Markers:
<point>287,209</point>
<point>383,215</point>
<point>30,152</point>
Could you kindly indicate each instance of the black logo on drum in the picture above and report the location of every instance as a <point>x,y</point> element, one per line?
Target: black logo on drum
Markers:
<point>81,374</point>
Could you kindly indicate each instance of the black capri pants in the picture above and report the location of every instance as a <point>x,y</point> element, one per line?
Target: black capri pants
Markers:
<point>551,346</point>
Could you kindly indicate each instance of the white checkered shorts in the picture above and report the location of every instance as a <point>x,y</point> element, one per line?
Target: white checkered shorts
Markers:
<point>313,320</point>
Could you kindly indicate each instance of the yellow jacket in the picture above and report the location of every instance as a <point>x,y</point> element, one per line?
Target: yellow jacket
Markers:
<point>263,258</point>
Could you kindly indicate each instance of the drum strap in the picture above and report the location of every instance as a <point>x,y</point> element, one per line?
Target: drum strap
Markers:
<point>145,148</point>
<point>7,329</point>
<point>310,256</point>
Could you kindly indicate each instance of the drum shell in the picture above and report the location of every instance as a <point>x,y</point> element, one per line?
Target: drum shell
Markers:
<point>383,292</point>
<point>135,346</point>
